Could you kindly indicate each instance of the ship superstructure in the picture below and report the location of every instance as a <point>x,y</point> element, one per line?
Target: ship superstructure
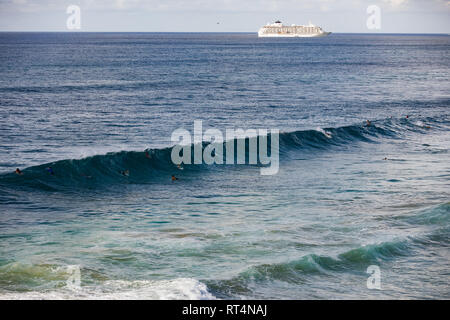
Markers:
<point>277,29</point>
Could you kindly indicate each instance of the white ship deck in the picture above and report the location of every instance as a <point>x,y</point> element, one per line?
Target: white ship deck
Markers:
<point>277,29</point>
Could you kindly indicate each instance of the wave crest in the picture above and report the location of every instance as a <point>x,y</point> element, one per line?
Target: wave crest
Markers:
<point>152,165</point>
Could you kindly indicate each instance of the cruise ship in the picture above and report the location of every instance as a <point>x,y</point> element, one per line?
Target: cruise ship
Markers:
<point>277,29</point>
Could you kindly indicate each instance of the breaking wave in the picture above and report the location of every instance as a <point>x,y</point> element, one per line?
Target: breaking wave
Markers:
<point>152,165</point>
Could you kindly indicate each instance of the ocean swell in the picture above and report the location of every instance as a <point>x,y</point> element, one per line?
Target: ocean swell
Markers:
<point>153,165</point>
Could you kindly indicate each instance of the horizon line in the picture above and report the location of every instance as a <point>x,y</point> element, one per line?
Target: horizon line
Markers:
<point>214,32</point>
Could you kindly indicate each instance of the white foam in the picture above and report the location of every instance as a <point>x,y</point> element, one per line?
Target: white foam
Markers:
<point>326,133</point>
<point>176,289</point>
<point>419,123</point>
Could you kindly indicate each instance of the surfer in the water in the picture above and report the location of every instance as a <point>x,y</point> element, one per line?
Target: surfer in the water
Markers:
<point>125,173</point>
<point>18,171</point>
<point>50,170</point>
<point>174,178</point>
<point>147,155</point>
<point>368,123</point>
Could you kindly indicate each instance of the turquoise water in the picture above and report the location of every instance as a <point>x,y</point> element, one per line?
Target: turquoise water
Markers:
<point>91,105</point>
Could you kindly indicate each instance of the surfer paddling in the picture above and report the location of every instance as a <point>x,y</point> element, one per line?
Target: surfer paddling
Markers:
<point>125,173</point>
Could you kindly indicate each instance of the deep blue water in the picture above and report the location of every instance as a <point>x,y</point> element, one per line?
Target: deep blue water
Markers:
<point>92,104</point>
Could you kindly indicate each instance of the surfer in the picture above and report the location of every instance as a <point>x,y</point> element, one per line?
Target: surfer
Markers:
<point>18,171</point>
<point>368,123</point>
<point>50,170</point>
<point>147,155</point>
<point>125,173</point>
<point>174,178</point>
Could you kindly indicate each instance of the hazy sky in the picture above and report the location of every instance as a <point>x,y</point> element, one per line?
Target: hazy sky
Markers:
<point>403,16</point>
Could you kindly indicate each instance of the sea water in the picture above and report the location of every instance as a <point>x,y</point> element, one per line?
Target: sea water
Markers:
<point>348,198</point>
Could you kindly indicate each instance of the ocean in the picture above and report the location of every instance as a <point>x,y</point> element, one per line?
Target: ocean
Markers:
<point>354,212</point>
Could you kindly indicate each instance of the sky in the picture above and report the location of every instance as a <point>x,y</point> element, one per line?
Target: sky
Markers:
<point>396,16</point>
